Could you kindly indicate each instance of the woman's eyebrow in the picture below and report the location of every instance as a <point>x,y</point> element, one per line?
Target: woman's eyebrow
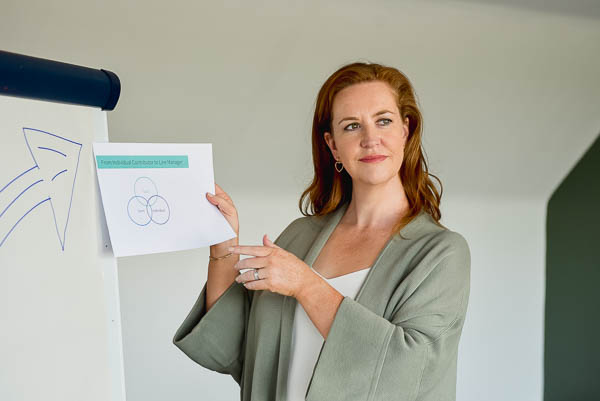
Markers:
<point>374,115</point>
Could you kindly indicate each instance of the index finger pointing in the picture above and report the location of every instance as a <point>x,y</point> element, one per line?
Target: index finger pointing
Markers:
<point>250,250</point>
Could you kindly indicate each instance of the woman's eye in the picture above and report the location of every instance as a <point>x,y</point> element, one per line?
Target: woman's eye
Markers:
<point>353,126</point>
<point>350,125</point>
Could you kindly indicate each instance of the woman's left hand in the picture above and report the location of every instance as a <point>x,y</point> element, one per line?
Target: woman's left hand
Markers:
<point>278,270</point>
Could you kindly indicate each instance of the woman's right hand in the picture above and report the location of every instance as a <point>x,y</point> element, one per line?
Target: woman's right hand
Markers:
<point>225,205</point>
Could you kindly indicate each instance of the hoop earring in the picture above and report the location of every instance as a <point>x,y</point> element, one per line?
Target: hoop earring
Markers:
<point>336,167</point>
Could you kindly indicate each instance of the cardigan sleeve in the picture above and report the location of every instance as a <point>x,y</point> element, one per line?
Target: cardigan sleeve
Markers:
<point>368,357</point>
<point>216,339</point>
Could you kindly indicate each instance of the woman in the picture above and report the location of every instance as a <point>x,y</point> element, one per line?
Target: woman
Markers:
<point>364,299</point>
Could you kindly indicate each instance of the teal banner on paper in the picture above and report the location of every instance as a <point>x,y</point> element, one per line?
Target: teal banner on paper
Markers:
<point>115,161</point>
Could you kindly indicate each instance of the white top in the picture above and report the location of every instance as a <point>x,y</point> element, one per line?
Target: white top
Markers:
<point>307,340</point>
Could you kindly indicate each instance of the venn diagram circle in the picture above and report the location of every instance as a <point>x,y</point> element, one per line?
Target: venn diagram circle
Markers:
<point>147,205</point>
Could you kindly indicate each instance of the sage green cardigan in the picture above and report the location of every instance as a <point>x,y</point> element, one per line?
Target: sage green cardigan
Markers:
<point>398,340</point>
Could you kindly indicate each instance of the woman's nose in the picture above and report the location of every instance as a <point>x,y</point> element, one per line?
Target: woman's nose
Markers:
<point>370,135</point>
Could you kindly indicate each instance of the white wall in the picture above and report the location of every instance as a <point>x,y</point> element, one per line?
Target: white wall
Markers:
<point>509,96</point>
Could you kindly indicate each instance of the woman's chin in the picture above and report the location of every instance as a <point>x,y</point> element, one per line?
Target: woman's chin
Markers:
<point>374,179</point>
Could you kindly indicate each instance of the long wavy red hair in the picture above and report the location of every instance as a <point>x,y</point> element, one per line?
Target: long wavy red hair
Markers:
<point>329,189</point>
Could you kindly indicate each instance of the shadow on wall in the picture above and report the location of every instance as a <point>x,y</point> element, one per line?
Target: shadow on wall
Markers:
<point>572,319</point>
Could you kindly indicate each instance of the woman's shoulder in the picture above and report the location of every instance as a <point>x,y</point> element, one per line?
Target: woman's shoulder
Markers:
<point>425,230</point>
<point>307,226</point>
<point>299,235</point>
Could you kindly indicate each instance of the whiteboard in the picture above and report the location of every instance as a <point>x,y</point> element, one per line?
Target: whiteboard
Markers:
<point>60,336</point>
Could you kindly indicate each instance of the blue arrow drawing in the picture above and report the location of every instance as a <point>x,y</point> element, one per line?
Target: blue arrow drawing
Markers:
<point>50,180</point>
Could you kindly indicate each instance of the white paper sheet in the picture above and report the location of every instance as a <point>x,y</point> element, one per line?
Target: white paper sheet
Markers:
<point>154,197</point>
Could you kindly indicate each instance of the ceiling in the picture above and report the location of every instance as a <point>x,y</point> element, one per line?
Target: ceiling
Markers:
<point>578,8</point>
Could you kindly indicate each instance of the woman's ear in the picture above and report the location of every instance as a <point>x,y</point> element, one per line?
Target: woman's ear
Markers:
<point>331,143</point>
<point>405,127</point>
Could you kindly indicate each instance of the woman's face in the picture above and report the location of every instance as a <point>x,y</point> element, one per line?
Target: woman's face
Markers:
<point>366,122</point>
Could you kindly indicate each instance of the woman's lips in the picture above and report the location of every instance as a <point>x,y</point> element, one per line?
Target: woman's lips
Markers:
<point>373,160</point>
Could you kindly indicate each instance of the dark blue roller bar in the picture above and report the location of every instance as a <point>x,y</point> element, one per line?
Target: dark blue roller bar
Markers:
<point>38,78</point>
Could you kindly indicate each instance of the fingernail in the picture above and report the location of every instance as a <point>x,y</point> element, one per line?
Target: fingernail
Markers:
<point>209,194</point>
<point>230,249</point>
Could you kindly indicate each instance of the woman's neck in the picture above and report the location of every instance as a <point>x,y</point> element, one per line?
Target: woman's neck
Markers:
<point>376,207</point>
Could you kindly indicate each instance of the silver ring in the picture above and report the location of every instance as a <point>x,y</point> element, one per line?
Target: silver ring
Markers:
<point>256,275</point>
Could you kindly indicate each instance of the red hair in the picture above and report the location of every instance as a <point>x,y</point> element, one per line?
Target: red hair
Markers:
<point>330,189</point>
